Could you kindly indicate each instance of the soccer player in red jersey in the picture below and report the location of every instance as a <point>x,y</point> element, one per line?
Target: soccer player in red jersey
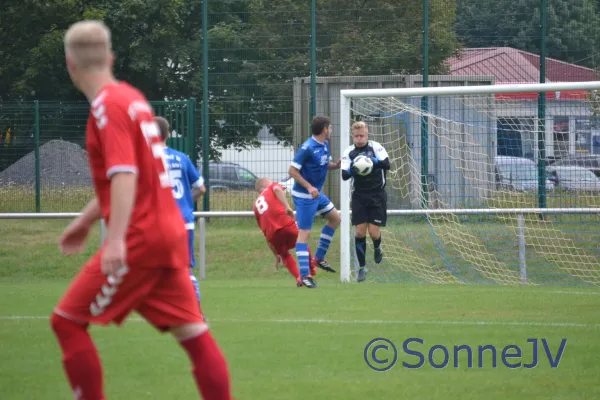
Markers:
<point>143,263</point>
<point>276,220</point>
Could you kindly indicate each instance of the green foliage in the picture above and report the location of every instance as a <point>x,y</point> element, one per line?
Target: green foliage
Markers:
<point>572,29</point>
<point>256,48</point>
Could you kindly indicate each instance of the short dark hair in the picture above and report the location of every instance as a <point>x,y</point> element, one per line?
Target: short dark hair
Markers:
<point>163,125</point>
<point>319,123</point>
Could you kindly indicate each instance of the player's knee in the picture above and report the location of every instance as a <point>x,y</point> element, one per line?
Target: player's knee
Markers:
<point>62,326</point>
<point>187,331</point>
<point>303,235</point>
<point>361,231</point>
<point>56,322</point>
<point>333,218</point>
<point>374,231</point>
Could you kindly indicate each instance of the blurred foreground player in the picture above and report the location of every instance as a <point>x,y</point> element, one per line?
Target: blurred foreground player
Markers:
<point>143,263</point>
<point>187,187</point>
<point>275,218</point>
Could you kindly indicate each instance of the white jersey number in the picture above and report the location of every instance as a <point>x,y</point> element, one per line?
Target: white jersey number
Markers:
<point>151,133</point>
<point>261,205</point>
<point>177,187</point>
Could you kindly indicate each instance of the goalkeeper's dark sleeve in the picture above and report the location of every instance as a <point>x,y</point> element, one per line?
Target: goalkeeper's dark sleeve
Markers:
<point>385,164</point>
<point>346,175</point>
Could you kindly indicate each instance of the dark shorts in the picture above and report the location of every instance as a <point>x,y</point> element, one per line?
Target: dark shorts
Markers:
<point>369,208</point>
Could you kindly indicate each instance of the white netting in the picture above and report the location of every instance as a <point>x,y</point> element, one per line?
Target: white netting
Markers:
<point>465,136</point>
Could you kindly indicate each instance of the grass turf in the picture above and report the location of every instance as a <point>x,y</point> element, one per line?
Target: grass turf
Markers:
<point>287,343</point>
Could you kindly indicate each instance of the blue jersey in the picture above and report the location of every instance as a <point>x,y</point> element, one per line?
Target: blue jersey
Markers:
<point>312,159</point>
<point>184,176</point>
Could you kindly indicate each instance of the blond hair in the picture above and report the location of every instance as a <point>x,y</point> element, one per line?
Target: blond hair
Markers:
<point>88,44</point>
<point>359,125</point>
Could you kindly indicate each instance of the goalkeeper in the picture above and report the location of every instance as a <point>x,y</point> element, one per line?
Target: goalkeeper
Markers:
<point>369,199</point>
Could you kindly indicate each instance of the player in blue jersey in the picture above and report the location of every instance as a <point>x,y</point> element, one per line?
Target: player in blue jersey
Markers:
<point>309,169</point>
<point>188,186</point>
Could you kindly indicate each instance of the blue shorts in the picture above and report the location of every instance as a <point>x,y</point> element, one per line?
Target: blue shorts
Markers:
<point>307,209</point>
<point>191,247</point>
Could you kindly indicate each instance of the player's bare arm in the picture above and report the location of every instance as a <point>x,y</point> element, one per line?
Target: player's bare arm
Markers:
<point>336,165</point>
<point>90,213</point>
<point>122,196</point>
<point>295,174</point>
<point>198,192</point>
<point>280,194</point>
<point>73,238</point>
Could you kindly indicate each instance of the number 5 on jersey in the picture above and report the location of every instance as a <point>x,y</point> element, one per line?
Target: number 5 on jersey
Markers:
<point>177,186</point>
<point>151,133</point>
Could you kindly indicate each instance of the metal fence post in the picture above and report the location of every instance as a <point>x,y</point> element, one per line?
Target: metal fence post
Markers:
<point>522,254</point>
<point>542,109</point>
<point>425,108</point>
<point>313,60</point>
<point>202,248</point>
<point>36,139</point>
<point>205,138</point>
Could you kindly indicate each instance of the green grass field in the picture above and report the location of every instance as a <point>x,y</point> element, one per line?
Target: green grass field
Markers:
<point>282,342</point>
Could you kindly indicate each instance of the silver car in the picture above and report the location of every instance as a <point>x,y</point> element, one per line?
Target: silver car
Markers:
<point>572,178</point>
<point>518,174</point>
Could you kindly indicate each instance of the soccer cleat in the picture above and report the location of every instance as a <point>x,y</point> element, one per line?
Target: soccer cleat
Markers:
<point>378,255</point>
<point>324,265</point>
<point>362,272</point>
<point>308,282</point>
<point>299,282</point>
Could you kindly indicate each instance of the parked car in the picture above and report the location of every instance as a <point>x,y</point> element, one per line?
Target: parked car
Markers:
<point>572,178</point>
<point>517,173</point>
<point>229,176</point>
<point>587,161</point>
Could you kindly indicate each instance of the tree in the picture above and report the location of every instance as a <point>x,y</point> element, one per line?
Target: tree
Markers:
<point>256,48</point>
<point>572,30</point>
<point>354,37</point>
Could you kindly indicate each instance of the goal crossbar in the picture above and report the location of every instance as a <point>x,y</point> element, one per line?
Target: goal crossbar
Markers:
<point>470,90</point>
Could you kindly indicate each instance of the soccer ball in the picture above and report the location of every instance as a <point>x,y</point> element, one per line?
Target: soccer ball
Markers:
<point>363,164</point>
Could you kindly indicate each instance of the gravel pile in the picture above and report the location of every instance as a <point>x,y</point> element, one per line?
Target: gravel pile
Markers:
<point>62,164</point>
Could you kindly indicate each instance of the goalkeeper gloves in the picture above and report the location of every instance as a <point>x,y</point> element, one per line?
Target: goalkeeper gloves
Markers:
<point>375,160</point>
<point>353,171</point>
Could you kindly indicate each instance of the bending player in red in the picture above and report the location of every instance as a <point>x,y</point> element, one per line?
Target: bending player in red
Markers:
<point>143,263</point>
<point>276,220</point>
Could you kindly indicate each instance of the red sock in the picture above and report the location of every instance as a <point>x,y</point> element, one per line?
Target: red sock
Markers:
<point>313,268</point>
<point>209,367</point>
<point>291,265</point>
<point>80,358</point>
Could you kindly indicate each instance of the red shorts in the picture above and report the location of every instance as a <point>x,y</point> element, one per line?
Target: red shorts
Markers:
<point>284,239</point>
<point>164,296</point>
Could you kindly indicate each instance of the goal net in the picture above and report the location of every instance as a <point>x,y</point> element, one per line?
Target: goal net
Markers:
<point>488,184</point>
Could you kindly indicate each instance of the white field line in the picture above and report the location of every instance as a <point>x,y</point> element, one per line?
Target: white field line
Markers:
<point>357,322</point>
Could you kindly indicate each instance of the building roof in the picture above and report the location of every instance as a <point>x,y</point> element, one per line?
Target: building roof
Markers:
<point>510,66</point>
<point>513,66</point>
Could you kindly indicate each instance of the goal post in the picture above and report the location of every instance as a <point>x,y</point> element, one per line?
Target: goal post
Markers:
<point>475,220</point>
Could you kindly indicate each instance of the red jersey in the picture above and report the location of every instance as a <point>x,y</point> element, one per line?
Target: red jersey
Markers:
<point>121,135</point>
<point>270,213</point>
